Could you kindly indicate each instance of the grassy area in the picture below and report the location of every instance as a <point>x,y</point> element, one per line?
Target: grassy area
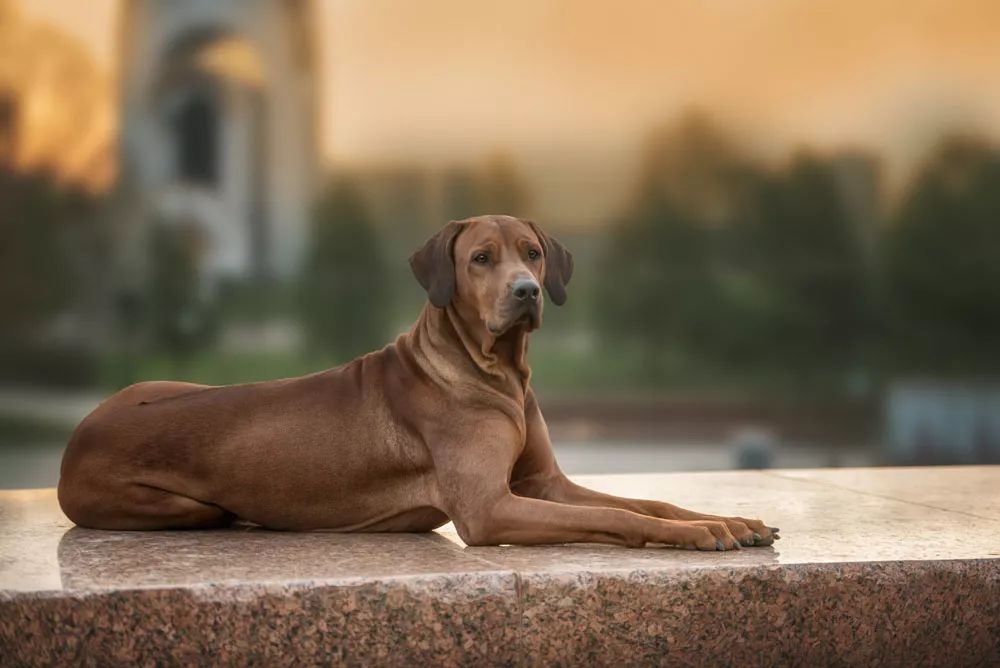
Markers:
<point>558,369</point>
<point>212,368</point>
<point>21,429</point>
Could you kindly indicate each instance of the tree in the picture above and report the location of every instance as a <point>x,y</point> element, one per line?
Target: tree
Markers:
<point>807,309</point>
<point>495,188</point>
<point>463,195</point>
<point>180,319</point>
<point>35,218</point>
<point>698,169</point>
<point>504,190</point>
<point>662,291</point>
<point>735,268</point>
<point>659,292</point>
<point>942,263</point>
<point>51,250</point>
<point>345,288</point>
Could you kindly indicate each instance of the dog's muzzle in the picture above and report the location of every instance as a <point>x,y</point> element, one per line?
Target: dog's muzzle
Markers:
<point>525,296</point>
<point>525,290</point>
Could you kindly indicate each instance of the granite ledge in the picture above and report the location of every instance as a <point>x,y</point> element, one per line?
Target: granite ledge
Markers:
<point>876,566</point>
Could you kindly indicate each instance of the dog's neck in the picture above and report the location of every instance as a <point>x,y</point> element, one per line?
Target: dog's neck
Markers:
<point>500,360</point>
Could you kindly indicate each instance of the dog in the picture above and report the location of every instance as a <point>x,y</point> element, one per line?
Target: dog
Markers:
<point>440,425</point>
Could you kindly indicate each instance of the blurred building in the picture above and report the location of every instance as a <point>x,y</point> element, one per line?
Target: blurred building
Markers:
<point>219,130</point>
<point>940,422</point>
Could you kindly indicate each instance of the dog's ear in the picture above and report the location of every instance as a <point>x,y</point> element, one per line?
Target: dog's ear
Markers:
<point>558,265</point>
<point>434,265</point>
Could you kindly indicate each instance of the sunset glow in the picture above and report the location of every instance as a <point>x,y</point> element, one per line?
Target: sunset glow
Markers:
<point>446,80</point>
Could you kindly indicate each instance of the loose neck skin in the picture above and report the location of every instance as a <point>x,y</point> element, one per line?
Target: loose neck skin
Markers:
<point>445,345</point>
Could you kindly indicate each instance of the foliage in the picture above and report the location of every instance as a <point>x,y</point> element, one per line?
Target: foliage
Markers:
<point>660,292</point>
<point>36,221</point>
<point>666,295</point>
<point>942,263</point>
<point>180,318</point>
<point>496,188</point>
<point>53,248</point>
<point>733,266</point>
<point>344,286</point>
<point>802,258</point>
<point>463,194</point>
<point>503,188</point>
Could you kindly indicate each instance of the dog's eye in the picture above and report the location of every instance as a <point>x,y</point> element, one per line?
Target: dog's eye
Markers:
<point>481,258</point>
<point>533,254</point>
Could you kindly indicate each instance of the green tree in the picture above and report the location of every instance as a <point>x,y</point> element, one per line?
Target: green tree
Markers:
<point>53,248</point>
<point>345,287</point>
<point>698,169</point>
<point>942,263</point>
<point>661,290</point>
<point>497,187</point>
<point>463,195</point>
<point>658,291</point>
<point>807,309</point>
<point>730,268</point>
<point>503,188</point>
<point>179,319</point>
<point>35,218</point>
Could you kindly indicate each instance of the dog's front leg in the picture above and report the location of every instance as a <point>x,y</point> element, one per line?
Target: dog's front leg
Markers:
<point>504,518</point>
<point>749,532</point>
<point>537,475</point>
<point>472,472</point>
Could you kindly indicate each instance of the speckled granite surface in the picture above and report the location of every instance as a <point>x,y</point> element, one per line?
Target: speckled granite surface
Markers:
<point>875,567</point>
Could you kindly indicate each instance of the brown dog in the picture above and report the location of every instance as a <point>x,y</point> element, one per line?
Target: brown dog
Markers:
<point>442,424</point>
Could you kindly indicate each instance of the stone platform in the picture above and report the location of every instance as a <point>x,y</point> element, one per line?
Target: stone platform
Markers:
<point>875,567</point>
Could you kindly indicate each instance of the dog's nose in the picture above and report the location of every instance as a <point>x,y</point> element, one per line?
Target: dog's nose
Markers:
<point>525,289</point>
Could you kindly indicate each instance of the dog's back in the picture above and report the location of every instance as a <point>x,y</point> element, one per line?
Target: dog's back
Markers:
<point>293,453</point>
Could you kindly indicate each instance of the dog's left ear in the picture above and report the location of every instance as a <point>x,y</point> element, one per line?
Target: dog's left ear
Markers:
<point>558,265</point>
<point>434,265</point>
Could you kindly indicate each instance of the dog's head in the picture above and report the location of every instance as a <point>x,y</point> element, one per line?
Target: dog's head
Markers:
<point>492,269</point>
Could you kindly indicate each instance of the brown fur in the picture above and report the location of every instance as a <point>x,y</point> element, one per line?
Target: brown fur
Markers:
<point>441,424</point>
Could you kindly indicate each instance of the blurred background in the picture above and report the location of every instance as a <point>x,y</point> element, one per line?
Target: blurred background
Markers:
<point>785,215</point>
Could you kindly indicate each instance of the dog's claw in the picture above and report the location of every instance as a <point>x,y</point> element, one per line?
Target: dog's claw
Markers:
<point>719,545</point>
<point>756,537</point>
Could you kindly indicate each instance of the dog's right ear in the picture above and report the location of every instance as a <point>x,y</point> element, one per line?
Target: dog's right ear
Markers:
<point>434,265</point>
<point>558,265</point>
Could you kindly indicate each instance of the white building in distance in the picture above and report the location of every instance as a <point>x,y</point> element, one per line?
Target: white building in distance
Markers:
<point>219,130</point>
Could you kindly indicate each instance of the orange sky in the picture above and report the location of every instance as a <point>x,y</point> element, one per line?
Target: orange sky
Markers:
<point>564,71</point>
<point>440,80</point>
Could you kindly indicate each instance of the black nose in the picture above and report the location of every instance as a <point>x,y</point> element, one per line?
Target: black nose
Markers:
<point>525,289</point>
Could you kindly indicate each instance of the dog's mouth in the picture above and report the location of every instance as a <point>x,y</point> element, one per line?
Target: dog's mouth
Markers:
<point>530,319</point>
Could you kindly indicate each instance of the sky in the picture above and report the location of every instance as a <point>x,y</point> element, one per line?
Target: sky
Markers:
<point>552,72</point>
<point>445,80</point>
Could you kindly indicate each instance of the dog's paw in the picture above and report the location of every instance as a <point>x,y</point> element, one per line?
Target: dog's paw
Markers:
<point>752,533</point>
<point>724,538</point>
<point>706,536</point>
<point>749,532</point>
<point>723,533</point>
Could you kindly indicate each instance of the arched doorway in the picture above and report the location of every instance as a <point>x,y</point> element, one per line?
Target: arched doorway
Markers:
<point>195,127</point>
<point>212,110</point>
<point>219,129</point>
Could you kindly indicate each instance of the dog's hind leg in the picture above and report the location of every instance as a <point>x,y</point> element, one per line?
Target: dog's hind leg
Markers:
<point>142,508</point>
